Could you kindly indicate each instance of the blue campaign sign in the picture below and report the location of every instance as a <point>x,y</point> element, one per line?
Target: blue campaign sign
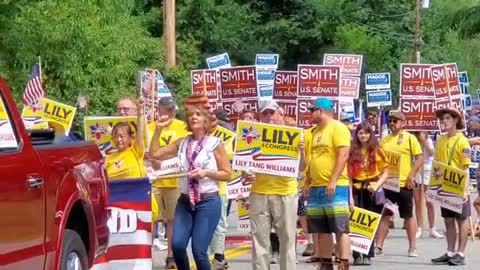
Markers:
<point>463,77</point>
<point>269,61</point>
<point>465,89</point>
<point>377,81</point>
<point>467,102</point>
<point>265,92</point>
<point>379,98</point>
<point>478,94</point>
<point>219,61</point>
<point>265,75</point>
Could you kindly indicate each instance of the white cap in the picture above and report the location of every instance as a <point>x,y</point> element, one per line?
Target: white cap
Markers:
<point>268,105</point>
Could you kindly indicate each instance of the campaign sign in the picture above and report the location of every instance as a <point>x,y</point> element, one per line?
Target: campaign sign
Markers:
<point>265,91</point>
<point>235,188</point>
<point>445,80</point>
<point>350,64</point>
<point>377,81</point>
<point>455,102</point>
<point>55,113</point>
<point>268,149</point>
<point>243,207</point>
<point>420,114</point>
<point>304,118</point>
<point>363,226</point>
<point>349,86</point>
<point>478,94</point>
<point>233,107</point>
<point>290,107</point>
<point>318,81</point>
<point>219,61</point>
<point>7,135</point>
<point>204,82</point>
<point>379,98</point>
<point>265,76</point>
<point>393,181</point>
<point>267,61</point>
<point>463,78</point>
<point>465,89</point>
<point>162,88</point>
<point>447,186</point>
<point>238,82</point>
<point>467,102</point>
<point>130,226</point>
<point>416,80</point>
<point>285,85</point>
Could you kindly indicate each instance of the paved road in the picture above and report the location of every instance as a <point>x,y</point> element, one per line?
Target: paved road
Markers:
<point>239,254</point>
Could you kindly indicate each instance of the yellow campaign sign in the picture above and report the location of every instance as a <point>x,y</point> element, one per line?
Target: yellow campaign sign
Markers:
<point>363,226</point>
<point>393,181</point>
<point>268,149</point>
<point>7,135</point>
<point>98,129</point>
<point>243,205</point>
<point>57,114</point>
<point>447,186</point>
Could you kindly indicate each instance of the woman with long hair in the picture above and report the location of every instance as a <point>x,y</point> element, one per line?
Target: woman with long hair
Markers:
<point>127,161</point>
<point>205,162</point>
<point>368,169</point>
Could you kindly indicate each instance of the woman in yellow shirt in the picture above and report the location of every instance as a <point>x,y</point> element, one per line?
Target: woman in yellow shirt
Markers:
<point>367,169</point>
<point>127,162</point>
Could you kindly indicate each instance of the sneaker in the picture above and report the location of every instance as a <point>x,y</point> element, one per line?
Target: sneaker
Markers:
<point>170,263</point>
<point>358,261</point>
<point>308,250</point>
<point>435,234</point>
<point>457,259</point>
<point>275,258</point>
<point>419,233</point>
<point>378,251</point>
<point>219,265</point>
<point>442,259</point>
<point>412,253</point>
<point>157,245</point>
<point>367,261</point>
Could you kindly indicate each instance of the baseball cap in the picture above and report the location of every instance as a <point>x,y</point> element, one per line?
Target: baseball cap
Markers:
<point>221,115</point>
<point>397,115</point>
<point>167,102</point>
<point>322,103</point>
<point>268,105</point>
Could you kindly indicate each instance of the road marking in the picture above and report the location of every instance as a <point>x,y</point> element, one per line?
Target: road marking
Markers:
<point>230,253</point>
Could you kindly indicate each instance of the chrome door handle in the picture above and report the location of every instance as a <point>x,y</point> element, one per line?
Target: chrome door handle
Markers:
<point>34,181</point>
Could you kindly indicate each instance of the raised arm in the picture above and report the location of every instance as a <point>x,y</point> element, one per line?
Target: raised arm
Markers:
<point>140,124</point>
<point>167,151</point>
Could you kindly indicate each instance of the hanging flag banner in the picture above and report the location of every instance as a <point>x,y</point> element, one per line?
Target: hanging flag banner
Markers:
<point>363,226</point>
<point>420,114</point>
<point>235,188</point>
<point>445,80</point>
<point>98,129</point>
<point>238,82</point>
<point>393,181</point>
<point>318,81</point>
<point>349,87</point>
<point>7,135</point>
<point>267,61</point>
<point>350,64</point>
<point>416,80</point>
<point>379,98</point>
<point>447,186</point>
<point>204,82</point>
<point>57,114</point>
<point>375,81</point>
<point>219,61</point>
<point>285,85</point>
<point>243,206</point>
<point>268,149</point>
<point>130,226</point>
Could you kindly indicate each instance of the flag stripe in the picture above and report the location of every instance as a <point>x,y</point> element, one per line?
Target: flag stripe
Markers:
<point>133,264</point>
<point>34,90</point>
<point>139,237</point>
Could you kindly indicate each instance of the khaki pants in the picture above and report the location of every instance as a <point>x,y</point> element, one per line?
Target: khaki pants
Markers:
<point>279,212</point>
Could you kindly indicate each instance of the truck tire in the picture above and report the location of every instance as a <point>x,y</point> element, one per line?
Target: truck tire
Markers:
<point>74,255</point>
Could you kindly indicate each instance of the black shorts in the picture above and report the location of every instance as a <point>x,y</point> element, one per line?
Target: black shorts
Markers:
<point>466,211</point>
<point>404,200</point>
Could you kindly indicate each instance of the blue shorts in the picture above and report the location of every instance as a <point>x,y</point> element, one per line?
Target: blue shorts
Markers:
<point>328,215</point>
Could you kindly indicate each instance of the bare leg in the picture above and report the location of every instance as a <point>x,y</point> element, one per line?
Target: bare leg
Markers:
<point>169,237</point>
<point>411,227</point>
<point>463,234</point>
<point>451,233</point>
<point>417,197</point>
<point>431,214</point>
<point>382,232</point>
<point>343,246</point>
<point>325,245</point>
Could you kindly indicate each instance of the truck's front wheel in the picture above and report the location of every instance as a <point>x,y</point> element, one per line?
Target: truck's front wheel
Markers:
<point>74,256</point>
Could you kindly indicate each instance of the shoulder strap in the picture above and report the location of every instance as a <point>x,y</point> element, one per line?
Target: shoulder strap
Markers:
<point>452,150</point>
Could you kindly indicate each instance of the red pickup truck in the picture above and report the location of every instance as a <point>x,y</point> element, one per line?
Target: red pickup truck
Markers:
<point>53,197</point>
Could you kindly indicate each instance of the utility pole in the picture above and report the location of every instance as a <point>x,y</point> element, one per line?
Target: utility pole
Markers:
<point>416,42</point>
<point>169,31</point>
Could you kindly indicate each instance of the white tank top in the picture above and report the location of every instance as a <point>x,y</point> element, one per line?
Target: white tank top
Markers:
<point>205,160</point>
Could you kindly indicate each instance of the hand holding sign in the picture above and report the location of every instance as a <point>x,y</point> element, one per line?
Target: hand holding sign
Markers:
<point>248,178</point>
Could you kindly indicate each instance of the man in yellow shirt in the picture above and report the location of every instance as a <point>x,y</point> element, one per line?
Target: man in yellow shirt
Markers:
<point>273,202</point>
<point>407,145</point>
<point>126,107</point>
<point>166,191</point>
<point>327,180</point>
<point>453,149</point>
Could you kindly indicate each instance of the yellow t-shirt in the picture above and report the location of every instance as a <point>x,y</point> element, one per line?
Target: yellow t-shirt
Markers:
<point>274,185</point>
<point>228,138</point>
<point>461,153</point>
<point>307,137</point>
<point>323,146</point>
<point>408,146</point>
<point>176,130</point>
<point>126,164</point>
<point>364,173</point>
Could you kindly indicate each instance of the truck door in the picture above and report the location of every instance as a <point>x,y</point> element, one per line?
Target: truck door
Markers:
<point>22,196</point>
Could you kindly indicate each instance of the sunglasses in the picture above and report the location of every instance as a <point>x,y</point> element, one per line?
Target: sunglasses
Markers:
<point>313,109</point>
<point>394,120</point>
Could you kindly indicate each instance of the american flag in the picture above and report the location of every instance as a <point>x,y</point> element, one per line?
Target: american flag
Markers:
<point>130,245</point>
<point>34,90</point>
<point>238,105</point>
